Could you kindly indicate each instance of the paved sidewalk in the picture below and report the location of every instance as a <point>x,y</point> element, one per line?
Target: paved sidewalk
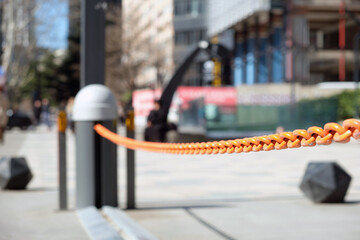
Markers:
<point>33,213</point>
<point>230,196</point>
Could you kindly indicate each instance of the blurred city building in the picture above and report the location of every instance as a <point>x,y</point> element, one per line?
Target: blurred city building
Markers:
<point>289,58</point>
<point>273,41</point>
<point>149,26</point>
<point>165,33</point>
<point>299,41</point>
<point>190,27</point>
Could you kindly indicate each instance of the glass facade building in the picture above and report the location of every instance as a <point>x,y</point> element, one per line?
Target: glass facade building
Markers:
<point>259,38</point>
<point>190,27</point>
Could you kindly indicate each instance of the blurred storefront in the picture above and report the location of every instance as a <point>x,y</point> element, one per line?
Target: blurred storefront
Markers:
<point>232,112</point>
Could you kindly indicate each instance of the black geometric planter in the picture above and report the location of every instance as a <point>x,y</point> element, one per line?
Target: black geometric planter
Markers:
<point>325,182</point>
<point>14,173</point>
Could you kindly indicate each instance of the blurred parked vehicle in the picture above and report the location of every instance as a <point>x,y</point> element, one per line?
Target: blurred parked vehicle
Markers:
<point>18,119</point>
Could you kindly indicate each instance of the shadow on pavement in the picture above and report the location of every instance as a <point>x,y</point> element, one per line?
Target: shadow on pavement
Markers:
<point>208,203</point>
<point>33,189</point>
<point>180,206</point>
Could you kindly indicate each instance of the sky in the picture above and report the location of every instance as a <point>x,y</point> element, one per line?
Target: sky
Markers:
<point>52,24</point>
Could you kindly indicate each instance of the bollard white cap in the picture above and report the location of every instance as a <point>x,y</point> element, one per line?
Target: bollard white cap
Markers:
<point>94,102</point>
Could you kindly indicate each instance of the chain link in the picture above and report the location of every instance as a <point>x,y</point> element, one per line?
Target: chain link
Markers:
<point>298,138</point>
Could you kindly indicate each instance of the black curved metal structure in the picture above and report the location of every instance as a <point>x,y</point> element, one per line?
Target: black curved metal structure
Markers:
<point>217,51</point>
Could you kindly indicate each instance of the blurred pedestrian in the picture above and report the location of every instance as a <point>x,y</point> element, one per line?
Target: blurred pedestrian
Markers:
<point>156,125</point>
<point>4,105</point>
<point>69,112</point>
<point>120,110</point>
<point>45,112</point>
<point>37,111</point>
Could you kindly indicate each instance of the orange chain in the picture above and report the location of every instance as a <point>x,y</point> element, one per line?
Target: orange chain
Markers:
<point>297,138</point>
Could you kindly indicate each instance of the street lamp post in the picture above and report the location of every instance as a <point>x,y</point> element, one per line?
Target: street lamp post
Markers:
<point>356,70</point>
<point>92,42</point>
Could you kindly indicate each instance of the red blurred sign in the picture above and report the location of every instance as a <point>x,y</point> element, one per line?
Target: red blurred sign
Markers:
<point>143,101</point>
<point>224,96</point>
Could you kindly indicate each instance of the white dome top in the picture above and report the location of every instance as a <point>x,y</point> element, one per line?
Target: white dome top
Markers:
<point>94,102</point>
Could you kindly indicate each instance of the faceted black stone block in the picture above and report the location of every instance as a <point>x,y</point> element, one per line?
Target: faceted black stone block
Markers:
<point>325,182</point>
<point>14,173</point>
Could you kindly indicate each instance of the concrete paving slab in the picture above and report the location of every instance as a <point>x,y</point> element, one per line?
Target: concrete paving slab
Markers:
<point>265,218</point>
<point>172,224</point>
<point>32,214</point>
<point>297,219</point>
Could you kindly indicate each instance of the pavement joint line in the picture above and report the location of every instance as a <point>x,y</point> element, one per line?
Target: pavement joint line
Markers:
<point>113,225</point>
<point>96,226</point>
<point>208,225</point>
<point>127,225</point>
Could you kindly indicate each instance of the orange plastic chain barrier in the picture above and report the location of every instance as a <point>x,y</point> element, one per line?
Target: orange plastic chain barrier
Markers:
<point>298,138</point>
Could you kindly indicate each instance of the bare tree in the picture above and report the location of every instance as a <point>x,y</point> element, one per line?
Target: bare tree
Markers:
<point>127,51</point>
<point>133,49</point>
<point>20,28</point>
<point>159,63</point>
<point>122,63</point>
<point>19,39</point>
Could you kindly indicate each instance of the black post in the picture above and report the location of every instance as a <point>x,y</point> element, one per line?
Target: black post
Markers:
<point>130,175</point>
<point>62,124</point>
<point>356,70</point>
<point>92,42</point>
<point>130,162</point>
